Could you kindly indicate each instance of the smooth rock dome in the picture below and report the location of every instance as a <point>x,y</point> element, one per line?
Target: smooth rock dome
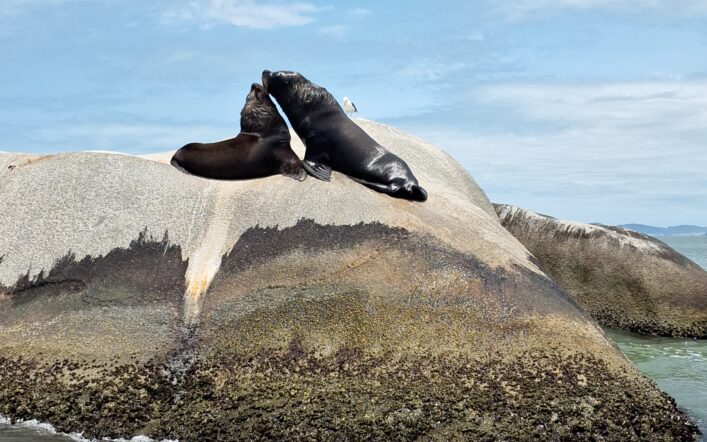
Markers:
<point>135,299</point>
<point>623,278</point>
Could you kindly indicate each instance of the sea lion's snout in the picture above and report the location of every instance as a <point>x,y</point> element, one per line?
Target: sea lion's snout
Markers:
<point>413,192</point>
<point>266,79</point>
<point>256,90</point>
<point>419,194</point>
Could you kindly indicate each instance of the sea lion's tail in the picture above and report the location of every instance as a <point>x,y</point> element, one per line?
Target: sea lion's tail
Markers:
<point>177,164</point>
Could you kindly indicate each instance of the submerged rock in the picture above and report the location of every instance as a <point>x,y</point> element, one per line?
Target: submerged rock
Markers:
<point>622,278</point>
<point>139,300</point>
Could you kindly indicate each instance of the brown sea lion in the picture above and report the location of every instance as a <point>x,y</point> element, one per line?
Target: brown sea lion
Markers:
<point>262,148</point>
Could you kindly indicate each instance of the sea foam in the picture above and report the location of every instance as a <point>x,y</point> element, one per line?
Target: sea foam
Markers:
<point>41,427</point>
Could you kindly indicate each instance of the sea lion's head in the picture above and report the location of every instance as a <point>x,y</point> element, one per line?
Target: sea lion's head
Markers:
<point>405,186</point>
<point>412,191</point>
<point>260,116</point>
<point>295,93</point>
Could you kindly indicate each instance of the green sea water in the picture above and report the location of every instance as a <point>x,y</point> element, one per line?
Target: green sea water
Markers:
<point>678,366</point>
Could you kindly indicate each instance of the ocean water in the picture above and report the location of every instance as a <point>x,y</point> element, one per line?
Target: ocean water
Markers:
<point>33,431</point>
<point>694,247</point>
<point>678,366</point>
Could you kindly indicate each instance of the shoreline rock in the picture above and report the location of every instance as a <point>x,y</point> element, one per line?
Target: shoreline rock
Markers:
<point>622,278</point>
<point>139,300</point>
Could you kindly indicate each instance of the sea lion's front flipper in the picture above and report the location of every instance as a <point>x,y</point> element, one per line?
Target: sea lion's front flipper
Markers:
<point>318,170</point>
<point>299,175</point>
<point>384,188</point>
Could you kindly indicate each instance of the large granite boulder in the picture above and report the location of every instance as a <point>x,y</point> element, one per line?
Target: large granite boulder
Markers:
<point>139,300</point>
<point>622,278</point>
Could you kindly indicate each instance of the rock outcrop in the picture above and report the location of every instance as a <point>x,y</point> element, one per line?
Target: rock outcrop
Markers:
<point>622,278</point>
<point>139,300</point>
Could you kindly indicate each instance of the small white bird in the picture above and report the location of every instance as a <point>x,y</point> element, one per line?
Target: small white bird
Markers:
<point>349,107</point>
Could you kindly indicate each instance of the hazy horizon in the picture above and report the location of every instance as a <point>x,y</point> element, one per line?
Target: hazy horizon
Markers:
<point>586,110</point>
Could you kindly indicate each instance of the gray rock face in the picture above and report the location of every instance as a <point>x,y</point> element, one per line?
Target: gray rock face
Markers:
<point>135,299</point>
<point>622,278</point>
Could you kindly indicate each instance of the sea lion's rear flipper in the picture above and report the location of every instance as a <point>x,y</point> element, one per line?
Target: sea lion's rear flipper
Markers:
<point>178,165</point>
<point>317,170</point>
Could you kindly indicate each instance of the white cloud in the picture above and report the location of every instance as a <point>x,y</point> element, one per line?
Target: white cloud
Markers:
<point>610,152</point>
<point>14,7</point>
<point>133,138</point>
<point>337,32</point>
<point>243,13</point>
<point>474,36</point>
<point>359,12</point>
<point>668,107</point>
<point>518,9</point>
<point>430,69</point>
<point>246,13</point>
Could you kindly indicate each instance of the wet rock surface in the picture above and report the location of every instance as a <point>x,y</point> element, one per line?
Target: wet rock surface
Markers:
<point>624,279</point>
<point>276,310</point>
<point>300,396</point>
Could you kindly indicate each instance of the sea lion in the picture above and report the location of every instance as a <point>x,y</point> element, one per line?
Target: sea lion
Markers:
<point>262,148</point>
<point>333,141</point>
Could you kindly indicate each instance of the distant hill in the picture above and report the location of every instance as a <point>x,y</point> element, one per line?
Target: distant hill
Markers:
<point>684,230</point>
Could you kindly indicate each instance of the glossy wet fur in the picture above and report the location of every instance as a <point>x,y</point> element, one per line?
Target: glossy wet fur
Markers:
<point>335,142</point>
<point>262,148</point>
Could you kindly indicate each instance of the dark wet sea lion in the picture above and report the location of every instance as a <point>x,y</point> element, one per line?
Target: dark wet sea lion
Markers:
<point>262,148</point>
<point>335,142</point>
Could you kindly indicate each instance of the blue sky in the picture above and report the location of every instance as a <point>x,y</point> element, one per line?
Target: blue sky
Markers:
<point>590,110</point>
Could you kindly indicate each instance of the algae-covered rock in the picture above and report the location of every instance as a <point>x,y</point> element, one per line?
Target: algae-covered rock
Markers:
<point>139,300</point>
<point>622,278</point>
